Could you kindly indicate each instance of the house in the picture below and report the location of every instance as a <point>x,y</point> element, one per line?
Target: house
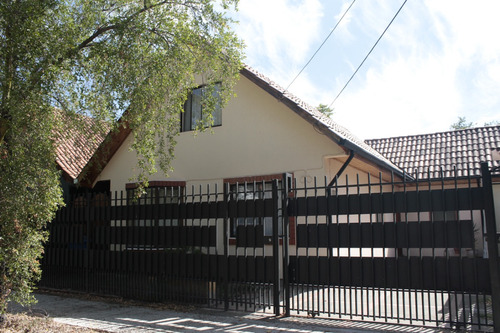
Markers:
<point>264,132</point>
<point>74,148</point>
<point>447,158</point>
<point>359,223</point>
<point>447,154</point>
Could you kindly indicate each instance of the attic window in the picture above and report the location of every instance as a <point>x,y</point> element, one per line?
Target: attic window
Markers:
<point>193,115</point>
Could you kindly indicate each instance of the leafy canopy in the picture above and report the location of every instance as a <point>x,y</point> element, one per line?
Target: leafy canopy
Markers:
<point>104,59</point>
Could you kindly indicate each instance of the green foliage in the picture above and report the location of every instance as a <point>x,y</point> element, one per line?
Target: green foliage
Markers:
<point>325,109</point>
<point>106,59</point>
<point>462,123</point>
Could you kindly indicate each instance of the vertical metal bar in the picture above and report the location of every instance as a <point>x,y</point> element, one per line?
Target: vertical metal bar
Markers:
<point>226,243</point>
<point>295,289</point>
<point>461,267</point>
<point>87,254</point>
<point>329,250</point>
<point>372,250</point>
<point>315,286</point>
<point>433,242</point>
<point>285,185</point>
<point>492,239</point>
<point>474,249</point>
<point>339,273</point>
<point>384,244</point>
<point>244,279</point>
<point>408,253</point>
<point>276,259</point>
<point>360,237</point>
<point>347,194</point>
<point>206,258</point>
<point>420,254</point>
<point>305,295</point>
<point>396,251</point>
<point>447,252</point>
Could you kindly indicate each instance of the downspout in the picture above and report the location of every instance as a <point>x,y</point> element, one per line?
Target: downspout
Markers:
<point>344,166</point>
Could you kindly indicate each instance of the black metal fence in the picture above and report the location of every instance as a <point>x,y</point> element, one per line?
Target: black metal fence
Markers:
<point>404,252</point>
<point>408,252</point>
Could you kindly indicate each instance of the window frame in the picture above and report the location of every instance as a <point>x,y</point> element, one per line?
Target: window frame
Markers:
<point>189,121</point>
<point>265,179</point>
<point>143,200</point>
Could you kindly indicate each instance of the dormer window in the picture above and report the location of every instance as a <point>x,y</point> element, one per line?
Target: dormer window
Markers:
<point>193,116</point>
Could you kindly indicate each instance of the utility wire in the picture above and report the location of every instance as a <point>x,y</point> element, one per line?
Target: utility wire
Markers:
<point>369,52</point>
<point>319,48</point>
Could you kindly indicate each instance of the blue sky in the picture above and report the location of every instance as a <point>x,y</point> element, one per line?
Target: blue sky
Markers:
<point>439,60</point>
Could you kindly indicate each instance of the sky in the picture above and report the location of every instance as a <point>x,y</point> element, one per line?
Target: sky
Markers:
<point>439,60</point>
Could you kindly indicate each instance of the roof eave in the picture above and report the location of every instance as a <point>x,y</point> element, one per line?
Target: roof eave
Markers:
<point>324,129</point>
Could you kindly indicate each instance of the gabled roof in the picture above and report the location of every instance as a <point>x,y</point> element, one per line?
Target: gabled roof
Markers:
<point>424,156</point>
<point>326,125</point>
<point>322,123</point>
<point>76,145</point>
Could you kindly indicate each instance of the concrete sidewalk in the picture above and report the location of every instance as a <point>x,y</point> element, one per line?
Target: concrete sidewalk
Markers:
<point>118,317</point>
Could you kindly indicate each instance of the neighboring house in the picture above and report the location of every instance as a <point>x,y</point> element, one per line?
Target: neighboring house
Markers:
<point>454,156</point>
<point>74,149</point>
<point>431,156</point>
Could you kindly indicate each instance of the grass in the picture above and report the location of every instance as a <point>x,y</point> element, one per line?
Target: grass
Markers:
<point>21,322</point>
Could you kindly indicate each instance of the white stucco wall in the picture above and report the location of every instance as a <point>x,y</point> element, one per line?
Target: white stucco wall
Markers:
<point>259,136</point>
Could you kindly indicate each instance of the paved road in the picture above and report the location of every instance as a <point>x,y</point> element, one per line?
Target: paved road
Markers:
<point>119,317</point>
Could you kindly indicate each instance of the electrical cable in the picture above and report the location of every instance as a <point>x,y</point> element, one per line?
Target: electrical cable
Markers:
<point>369,52</point>
<point>319,48</point>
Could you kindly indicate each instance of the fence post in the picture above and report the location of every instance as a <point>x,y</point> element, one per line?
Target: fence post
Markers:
<point>226,241</point>
<point>491,235</point>
<point>87,248</point>
<point>276,256</point>
<point>286,184</point>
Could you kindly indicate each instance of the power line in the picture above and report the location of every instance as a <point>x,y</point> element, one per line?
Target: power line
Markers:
<point>319,48</point>
<point>369,52</point>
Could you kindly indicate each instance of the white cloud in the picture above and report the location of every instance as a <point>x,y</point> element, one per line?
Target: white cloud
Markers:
<point>439,60</point>
<point>401,98</point>
<point>278,33</point>
<point>447,65</point>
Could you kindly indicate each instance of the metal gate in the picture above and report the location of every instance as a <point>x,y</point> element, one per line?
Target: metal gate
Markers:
<point>197,245</point>
<point>398,251</point>
<point>407,252</point>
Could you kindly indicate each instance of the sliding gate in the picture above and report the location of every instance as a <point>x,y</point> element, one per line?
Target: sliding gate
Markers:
<point>406,252</point>
<point>393,251</point>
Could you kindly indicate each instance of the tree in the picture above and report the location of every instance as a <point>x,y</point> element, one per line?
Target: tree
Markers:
<point>461,124</point>
<point>103,59</point>
<point>325,109</point>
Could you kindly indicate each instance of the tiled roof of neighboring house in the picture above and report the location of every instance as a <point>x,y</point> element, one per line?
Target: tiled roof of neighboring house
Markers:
<point>424,156</point>
<point>337,132</point>
<point>77,144</point>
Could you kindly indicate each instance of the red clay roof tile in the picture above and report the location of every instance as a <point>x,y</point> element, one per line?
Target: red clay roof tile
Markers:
<point>76,145</point>
<point>444,152</point>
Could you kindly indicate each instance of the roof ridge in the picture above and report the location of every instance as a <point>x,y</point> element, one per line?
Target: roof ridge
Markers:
<point>434,133</point>
<point>339,130</point>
